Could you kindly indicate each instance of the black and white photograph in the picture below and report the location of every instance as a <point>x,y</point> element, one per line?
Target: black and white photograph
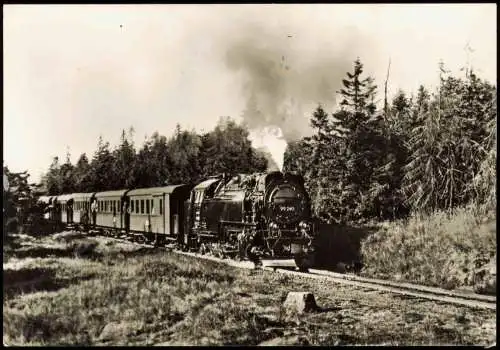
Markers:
<point>249,174</point>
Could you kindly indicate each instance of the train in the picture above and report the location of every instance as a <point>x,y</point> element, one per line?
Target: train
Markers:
<point>240,216</point>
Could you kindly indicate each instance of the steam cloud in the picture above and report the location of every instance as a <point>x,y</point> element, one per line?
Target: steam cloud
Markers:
<point>282,82</point>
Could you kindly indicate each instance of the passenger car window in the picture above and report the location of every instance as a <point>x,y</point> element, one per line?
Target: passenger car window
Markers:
<point>131,206</point>
<point>161,206</point>
<point>142,206</point>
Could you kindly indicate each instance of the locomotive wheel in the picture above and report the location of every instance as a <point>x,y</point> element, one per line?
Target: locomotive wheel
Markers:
<point>222,255</point>
<point>218,251</point>
<point>301,265</point>
<point>213,250</point>
<point>304,263</point>
<point>202,249</point>
<point>242,251</point>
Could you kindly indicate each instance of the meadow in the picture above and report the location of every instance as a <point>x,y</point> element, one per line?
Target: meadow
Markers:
<point>71,289</point>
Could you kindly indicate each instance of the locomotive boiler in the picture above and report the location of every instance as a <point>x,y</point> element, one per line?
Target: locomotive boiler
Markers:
<point>252,216</point>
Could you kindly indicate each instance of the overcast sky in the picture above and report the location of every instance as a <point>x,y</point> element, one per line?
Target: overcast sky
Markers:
<point>74,72</point>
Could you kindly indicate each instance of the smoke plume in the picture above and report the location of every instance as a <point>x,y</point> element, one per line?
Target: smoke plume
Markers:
<point>284,76</point>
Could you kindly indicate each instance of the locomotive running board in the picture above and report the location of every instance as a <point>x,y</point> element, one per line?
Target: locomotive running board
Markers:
<point>279,263</point>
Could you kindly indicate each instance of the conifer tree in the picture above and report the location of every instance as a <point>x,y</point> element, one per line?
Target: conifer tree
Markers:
<point>53,178</point>
<point>124,157</point>
<point>184,150</point>
<point>102,165</point>
<point>83,176</point>
<point>67,175</point>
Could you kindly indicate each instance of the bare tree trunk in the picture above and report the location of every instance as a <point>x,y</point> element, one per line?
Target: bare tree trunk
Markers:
<point>385,89</point>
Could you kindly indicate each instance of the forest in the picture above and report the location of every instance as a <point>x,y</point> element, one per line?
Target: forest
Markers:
<point>418,154</point>
<point>186,157</point>
<point>432,151</point>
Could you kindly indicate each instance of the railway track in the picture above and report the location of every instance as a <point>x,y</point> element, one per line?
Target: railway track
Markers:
<point>407,289</point>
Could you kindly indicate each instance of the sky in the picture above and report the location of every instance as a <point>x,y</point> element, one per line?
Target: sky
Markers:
<point>73,73</point>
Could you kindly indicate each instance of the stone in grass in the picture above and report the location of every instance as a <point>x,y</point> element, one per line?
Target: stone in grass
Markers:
<point>299,303</point>
<point>284,341</point>
<point>115,330</point>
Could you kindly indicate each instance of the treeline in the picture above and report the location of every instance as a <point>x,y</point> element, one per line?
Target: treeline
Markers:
<point>186,157</point>
<point>432,151</point>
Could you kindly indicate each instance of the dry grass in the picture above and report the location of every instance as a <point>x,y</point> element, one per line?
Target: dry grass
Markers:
<point>143,297</point>
<point>438,250</point>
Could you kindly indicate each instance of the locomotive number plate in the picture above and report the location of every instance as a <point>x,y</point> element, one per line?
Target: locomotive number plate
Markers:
<point>287,208</point>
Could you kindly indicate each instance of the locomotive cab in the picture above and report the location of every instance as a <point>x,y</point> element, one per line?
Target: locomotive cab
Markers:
<point>195,227</point>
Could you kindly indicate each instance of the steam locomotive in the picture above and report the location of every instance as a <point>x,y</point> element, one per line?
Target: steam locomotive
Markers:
<point>244,216</point>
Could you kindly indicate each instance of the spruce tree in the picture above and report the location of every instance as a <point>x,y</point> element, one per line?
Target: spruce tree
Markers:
<point>124,157</point>
<point>53,178</point>
<point>102,165</point>
<point>83,177</point>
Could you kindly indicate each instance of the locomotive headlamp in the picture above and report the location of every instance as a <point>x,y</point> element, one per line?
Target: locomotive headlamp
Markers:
<point>273,226</point>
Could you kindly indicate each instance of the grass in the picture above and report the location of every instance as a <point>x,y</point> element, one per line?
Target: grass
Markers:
<point>441,250</point>
<point>117,294</point>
